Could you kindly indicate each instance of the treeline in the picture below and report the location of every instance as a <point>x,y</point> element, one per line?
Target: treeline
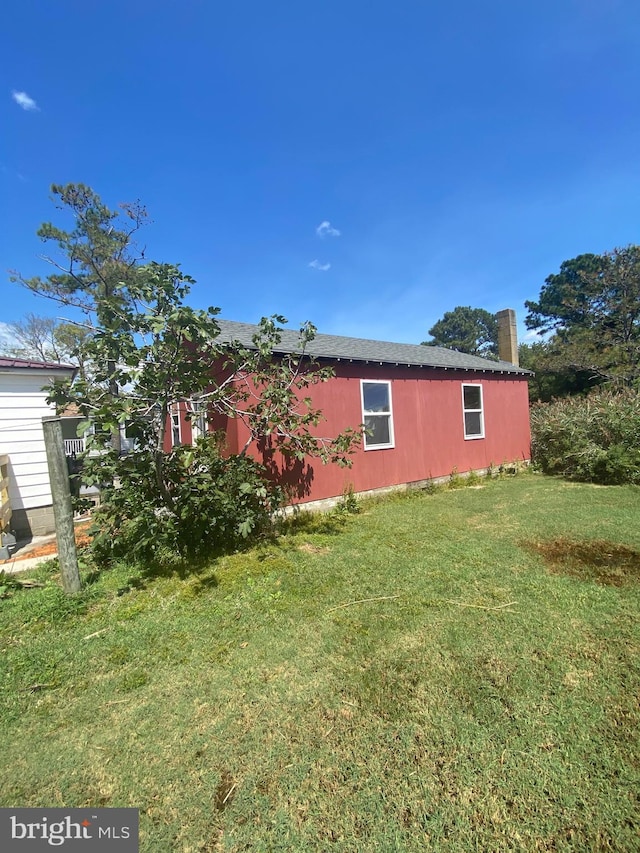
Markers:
<point>588,321</point>
<point>587,423</point>
<point>589,313</point>
<point>585,416</point>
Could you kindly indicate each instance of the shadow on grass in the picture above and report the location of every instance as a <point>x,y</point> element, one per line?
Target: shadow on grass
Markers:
<point>183,569</point>
<point>202,568</point>
<point>327,524</point>
<point>596,560</point>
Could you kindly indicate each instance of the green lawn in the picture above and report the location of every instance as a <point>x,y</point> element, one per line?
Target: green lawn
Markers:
<point>451,671</point>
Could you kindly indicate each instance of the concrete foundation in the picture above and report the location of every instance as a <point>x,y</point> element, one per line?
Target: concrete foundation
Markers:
<point>37,521</point>
<point>415,486</point>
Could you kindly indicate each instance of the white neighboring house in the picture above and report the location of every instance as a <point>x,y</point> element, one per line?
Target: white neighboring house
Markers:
<point>22,407</point>
<point>75,441</point>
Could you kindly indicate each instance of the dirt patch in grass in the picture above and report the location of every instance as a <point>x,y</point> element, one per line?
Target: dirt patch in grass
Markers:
<point>225,791</point>
<point>308,548</point>
<point>598,560</point>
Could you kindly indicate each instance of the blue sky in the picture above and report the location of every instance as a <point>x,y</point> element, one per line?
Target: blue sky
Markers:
<point>462,150</point>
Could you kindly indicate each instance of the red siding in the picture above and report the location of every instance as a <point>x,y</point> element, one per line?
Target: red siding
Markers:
<point>428,427</point>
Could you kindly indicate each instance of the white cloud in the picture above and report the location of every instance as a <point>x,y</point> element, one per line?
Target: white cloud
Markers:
<point>532,337</point>
<point>316,265</point>
<point>23,100</point>
<point>325,229</point>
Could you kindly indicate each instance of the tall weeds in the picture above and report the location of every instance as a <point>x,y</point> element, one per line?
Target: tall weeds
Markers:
<point>592,439</point>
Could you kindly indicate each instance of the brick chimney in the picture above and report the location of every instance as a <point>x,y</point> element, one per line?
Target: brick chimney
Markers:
<point>507,336</point>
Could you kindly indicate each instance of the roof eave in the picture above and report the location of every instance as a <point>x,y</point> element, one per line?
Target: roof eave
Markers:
<point>506,369</point>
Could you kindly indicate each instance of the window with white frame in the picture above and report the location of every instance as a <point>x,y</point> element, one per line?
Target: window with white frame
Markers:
<point>377,414</point>
<point>100,435</point>
<point>199,419</point>
<point>473,411</point>
<point>176,436</point>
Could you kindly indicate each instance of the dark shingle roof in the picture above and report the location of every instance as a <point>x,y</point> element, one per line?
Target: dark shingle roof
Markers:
<point>30,364</point>
<point>340,348</point>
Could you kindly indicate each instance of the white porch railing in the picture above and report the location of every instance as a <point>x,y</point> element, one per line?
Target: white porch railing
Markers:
<point>73,445</point>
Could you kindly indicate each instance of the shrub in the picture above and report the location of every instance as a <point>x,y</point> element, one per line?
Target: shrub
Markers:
<point>593,439</point>
<point>348,503</point>
<point>205,504</point>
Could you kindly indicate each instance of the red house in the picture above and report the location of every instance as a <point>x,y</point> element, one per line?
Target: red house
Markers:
<point>428,411</point>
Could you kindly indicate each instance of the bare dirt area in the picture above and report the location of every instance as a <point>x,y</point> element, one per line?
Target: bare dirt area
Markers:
<point>48,547</point>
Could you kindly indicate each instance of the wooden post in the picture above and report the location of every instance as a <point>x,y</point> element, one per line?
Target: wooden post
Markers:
<point>7,539</point>
<point>62,510</point>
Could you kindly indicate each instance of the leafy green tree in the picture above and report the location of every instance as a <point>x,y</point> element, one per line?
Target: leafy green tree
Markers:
<point>95,259</point>
<point>71,338</point>
<point>566,297</point>
<point>466,329</point>
<point>551,377</point>
<point>150,352</point>
<point>93,262</point>
<point>592,309</point>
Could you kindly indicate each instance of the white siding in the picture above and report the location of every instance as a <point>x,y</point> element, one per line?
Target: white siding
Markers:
<point>22,407</point>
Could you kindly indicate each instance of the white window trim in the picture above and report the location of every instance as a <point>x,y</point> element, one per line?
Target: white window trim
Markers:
<point>198,409</point>
<point>480,411</point>
<point>175,412</point>
<point>388,414</point>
